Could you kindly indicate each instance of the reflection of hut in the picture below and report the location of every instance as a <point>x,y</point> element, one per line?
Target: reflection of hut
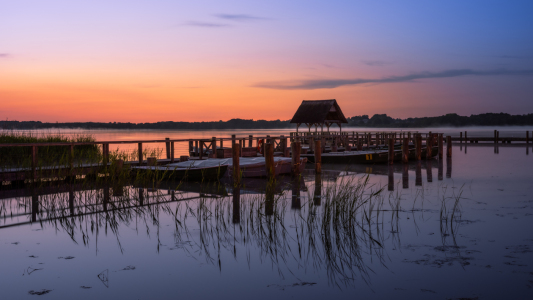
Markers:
<point>319,113</point>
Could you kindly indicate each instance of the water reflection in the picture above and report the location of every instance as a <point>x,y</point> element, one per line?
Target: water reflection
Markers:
<point>418,173</point>
<point>317,197</point>
<point>449,167</point>
<point>405,176</point>
<point>441,167</point>
<point>429,171</point>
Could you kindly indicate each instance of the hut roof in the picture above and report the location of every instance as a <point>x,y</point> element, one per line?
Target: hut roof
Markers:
<point>319,111</point>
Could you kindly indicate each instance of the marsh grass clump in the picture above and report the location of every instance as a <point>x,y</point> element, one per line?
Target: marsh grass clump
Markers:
<point>20,156</point>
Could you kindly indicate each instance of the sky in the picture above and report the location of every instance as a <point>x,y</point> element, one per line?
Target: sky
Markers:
<point>163,60</point>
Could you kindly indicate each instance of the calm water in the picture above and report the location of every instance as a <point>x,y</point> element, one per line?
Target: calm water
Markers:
<point>447,230</point>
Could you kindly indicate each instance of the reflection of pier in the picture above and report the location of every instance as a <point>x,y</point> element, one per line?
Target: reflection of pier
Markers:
<point>404,168</point>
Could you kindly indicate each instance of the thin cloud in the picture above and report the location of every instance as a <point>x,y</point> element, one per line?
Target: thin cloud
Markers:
<point>4,55</point>
<point>240,17</point>
<point>376,63</point>
<point>205,24</point>
<point>334,83</point>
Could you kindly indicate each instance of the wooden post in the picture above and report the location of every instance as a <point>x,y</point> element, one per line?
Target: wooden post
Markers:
<point>151,161</point>
<point>296,149</point>
<point>418,146</point>
<point>527,137</point>
<point>191,147</point>
<point>391,151</point>
<point>495,136</point>
<point>232,140</point>
<point>167,144</point>
<point>461,137</point>
<point>172,152</point>
<point>448,146</point>
<point>429,147</point>
<point>250,140</point>
<point>71,156</point>
<point>105,154</point>
<point>466,137</point>
<point>201,149</point>
<point>405,150</point>
<point>236,165</point>
<point>34,162</point>
<point>140,154</point>
<point>318,157</point>
<point>269,160</point>
<point>213,147</point>
<point>197,153</point>
<point>441,146</point>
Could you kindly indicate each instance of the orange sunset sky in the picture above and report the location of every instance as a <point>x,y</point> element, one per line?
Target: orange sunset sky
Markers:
<point>149,61</point>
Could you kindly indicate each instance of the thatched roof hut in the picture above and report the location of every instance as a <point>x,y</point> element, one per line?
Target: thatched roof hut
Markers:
<point>319,113</point>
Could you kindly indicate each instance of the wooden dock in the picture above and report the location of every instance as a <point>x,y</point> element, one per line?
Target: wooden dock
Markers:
<point>304,142</point>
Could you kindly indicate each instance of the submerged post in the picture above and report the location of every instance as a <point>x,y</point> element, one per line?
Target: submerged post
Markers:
<point>318,157</point>
<point>448,146</point>
<point>405,150</point>
<point>236,165</point>
<point>527,137</point>
<point>391,151</point>
<point>296,148</point>
<point>269,160</point>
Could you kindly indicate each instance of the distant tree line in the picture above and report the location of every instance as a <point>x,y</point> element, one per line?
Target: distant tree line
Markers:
<point>377,120</point>
<point>488,119</point>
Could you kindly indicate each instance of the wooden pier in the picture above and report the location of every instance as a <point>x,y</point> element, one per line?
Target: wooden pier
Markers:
<point>296,144</point>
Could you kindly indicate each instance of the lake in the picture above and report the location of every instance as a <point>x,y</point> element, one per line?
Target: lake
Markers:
<point>449,229</point>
